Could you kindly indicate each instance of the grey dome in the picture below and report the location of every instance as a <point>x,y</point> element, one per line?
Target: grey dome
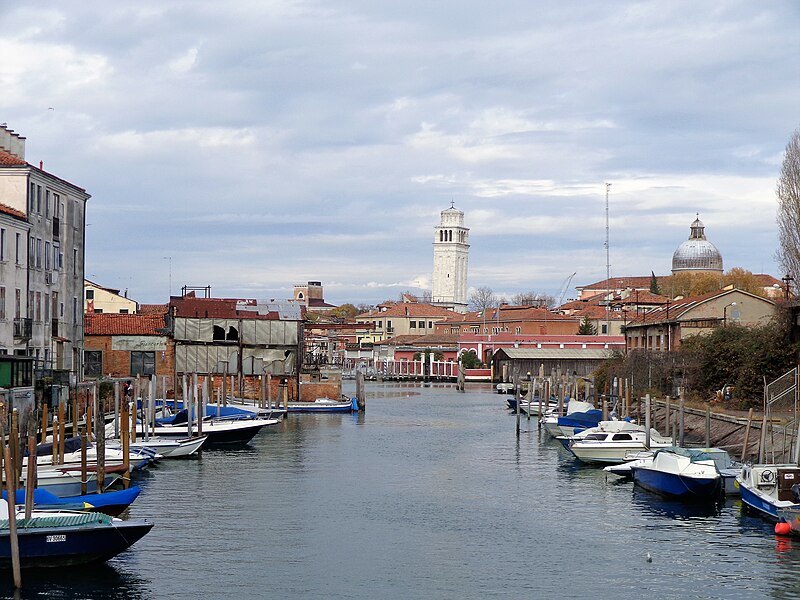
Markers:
<point>697,253</point>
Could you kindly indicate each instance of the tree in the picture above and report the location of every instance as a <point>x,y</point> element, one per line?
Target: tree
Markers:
<point>470,360</point>
<point>788,193</point>
<point>482,298</point>
<point>586,327</point>
<point>345,311</point>
<point>687,284</point>
<point>533,299</point>
<point>744,280</point>
<point>654,289</point>
<point>425,355</point>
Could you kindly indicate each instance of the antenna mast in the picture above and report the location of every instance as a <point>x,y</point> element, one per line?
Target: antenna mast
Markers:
<point>608,270</point>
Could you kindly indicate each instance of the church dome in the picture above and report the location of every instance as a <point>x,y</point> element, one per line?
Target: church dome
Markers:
<point>697,253</point>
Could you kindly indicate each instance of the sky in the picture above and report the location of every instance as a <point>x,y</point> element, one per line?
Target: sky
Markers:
<point>251,145</point>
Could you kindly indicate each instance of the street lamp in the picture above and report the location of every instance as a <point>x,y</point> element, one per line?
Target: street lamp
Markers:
<point>725,313</point>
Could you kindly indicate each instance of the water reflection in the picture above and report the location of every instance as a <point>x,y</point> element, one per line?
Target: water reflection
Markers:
<point>672,508</point>
<point>111,581</point>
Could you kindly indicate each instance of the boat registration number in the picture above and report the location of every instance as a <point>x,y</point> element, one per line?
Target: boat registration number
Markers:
<point>56,538</point>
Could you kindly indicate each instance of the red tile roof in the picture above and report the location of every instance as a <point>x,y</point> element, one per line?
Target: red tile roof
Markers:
<point>12,211</point>
<point>7,159</point>
<point>410,309</point>
<point>506,314</point>
<point>152,309</point>
<point>675,309</point>
<point>117,324</point>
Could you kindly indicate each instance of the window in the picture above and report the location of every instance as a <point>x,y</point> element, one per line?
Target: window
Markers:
<point>143,363</point>
<point>32,199</point>
<point>98,311</point>
<point>604,328</point>
<point>17,303</point>
<point>47,255</point>
<point>74,310</point>
<point>39,252</point>
<point>17,248</point>
<point>518,330</point>
<point>233,334</point>
<point>621,437</point>
<point>39,199</point>
<point>123,311</point>
<point>430,324</point>
<point>2,244</point>
<point>29,311</point>
<point>57,210</point>
<point>90,294</point>
<point>74,261</point>
<point>56,257</point>
<point>38,306</point>
<point>46,308</point>
<point>93,362</point>
<point>47,203</point>
<point>412,324</point>
<point>218,333</point>
<point>2,303</point>
<point>76,215</point>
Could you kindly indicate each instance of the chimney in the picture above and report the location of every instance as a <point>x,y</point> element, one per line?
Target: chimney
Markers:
<point>11,142</point>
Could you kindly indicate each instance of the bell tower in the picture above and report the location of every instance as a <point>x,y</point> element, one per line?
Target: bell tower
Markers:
<point>450,258</point>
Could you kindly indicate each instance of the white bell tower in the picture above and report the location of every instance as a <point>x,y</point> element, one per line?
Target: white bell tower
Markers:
<point>450,258</point>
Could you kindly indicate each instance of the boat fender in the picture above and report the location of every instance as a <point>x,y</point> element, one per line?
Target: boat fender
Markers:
<point>782,528</point>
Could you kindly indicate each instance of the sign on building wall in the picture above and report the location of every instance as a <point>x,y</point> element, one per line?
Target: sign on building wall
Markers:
<point>139,343</point>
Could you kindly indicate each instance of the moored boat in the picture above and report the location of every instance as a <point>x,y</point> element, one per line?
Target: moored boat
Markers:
<point>682,473</point>
<point>611,441</point>
<point>63,538</point>
<point>767,488</point>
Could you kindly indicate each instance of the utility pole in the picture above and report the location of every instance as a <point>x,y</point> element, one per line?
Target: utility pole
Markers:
<point>608,269</point>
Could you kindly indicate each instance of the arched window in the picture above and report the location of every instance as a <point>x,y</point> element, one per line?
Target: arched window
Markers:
<point>219,333</point>
<point>233,334</point>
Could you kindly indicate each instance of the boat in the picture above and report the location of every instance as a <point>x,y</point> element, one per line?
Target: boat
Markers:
<point>325,405</point>
<point>580,416</point>
<point>163,447</point>
<point>688,474</point>
<point>505,388</point>
<point>66,481</point>
<point>138,458</point>
<point>109,503</point>
<point>611,441</point>
<point>767,488</point>
<point>218,431</point>
<point>728,468</point>
<point>623,470</point>
<point>64,538</point>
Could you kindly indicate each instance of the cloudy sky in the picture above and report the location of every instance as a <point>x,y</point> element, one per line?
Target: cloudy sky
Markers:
<point>253,145</point>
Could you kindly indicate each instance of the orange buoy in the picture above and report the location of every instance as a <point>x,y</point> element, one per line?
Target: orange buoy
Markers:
<point>783,528</point>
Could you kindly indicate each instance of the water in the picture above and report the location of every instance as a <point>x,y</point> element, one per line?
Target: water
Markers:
<point>427,495</point>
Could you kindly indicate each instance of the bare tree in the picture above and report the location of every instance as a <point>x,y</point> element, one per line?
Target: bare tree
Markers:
<point>533,299</point>
<point>482,298</point>
<point>788,193</point>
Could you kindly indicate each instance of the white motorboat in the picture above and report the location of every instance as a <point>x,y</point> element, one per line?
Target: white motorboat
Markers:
<point>580,416</point>
<point>611,441</point>
<point>223,431</point>
<point>767,488</point>
<point>685,473</point>
<point>165,447</point>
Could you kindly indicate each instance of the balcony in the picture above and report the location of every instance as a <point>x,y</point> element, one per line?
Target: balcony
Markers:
<point>23,328</point>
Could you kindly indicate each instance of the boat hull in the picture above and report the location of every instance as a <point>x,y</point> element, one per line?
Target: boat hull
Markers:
<point>678,486</point>
<point>68,546</point>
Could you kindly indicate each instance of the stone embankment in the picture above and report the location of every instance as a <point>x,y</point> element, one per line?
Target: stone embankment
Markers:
<point>743,435</point>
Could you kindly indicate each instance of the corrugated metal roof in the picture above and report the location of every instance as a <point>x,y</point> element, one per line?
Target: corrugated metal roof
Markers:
<point>556,353</point>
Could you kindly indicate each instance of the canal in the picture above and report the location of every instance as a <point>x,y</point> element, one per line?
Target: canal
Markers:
<point>429,494</point>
